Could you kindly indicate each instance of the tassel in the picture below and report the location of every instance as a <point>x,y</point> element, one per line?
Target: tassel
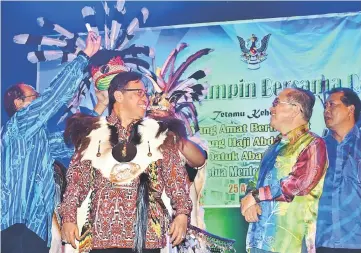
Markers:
<point>142,213</point>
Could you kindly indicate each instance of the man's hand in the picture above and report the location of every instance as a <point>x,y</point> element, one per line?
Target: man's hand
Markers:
<point>70,232</point>
<point>178,229</point>
<point>247,202</point>
<point>92,44</point>
<point>102,96</point>
<point>103,101</point>
<point>251,214</point>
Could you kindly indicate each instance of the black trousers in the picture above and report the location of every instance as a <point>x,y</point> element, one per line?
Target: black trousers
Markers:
<point>122,250</point>
<point>19,239</point>
<point>331,250</point>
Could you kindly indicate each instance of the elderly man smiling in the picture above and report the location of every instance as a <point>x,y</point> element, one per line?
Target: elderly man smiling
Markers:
<point>282,199</point>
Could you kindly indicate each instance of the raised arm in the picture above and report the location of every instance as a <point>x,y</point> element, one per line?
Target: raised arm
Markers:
<point>60,91</point>
<point>194,154</point>
<point>103,101</point>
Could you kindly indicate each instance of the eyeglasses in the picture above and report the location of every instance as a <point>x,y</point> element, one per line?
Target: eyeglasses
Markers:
<point>277,102</point>
<point>141,93</point>
<point>32,95</point>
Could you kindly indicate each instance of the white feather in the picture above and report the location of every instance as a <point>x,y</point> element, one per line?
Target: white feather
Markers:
<point>120,6</point>
<point>89,11</point>
<point>50,55</point>
<point>134,25</point>
<point>186,83</point>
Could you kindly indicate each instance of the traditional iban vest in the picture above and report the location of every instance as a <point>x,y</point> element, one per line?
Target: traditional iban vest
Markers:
<point>149,135</point>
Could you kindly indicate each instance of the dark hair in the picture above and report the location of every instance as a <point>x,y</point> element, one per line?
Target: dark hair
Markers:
<point>349,97</point>
<point>11,94</point>
<point>305,98</point>
<point>119,82</point>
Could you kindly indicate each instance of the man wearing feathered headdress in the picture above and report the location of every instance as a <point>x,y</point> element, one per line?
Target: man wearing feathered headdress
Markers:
<point>174,97</point>
<point>126,162</point>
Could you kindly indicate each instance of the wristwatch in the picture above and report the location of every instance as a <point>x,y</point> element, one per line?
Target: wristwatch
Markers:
<point>255,195</point>
<point>84,54</point>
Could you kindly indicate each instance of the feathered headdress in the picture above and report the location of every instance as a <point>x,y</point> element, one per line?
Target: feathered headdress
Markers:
<point>176,96</point>
<point>114,56</point>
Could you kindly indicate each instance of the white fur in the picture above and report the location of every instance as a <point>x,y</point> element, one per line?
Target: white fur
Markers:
<point>106,162</point>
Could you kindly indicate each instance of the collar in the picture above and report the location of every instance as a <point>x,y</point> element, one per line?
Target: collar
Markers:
<point>293,135</point>
<point>123,133</point>
<point>114,120</point>
<point>355,131</point>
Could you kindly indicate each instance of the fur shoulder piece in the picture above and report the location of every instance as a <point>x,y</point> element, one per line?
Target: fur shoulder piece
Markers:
<point>174,125</point>
<point>149,135</point>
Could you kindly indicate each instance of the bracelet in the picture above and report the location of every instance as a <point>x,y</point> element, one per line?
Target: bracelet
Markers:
<point>81,52</point>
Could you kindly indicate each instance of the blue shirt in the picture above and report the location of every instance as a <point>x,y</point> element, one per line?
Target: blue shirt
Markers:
<point>56,126</point>
<point>339,218</point>
<point>28,152</point>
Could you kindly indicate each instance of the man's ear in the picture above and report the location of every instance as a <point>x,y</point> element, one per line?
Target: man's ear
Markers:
<point>18,103</point>
<point>119,96</point>
<point>296,110</point>
<point>351,110</point>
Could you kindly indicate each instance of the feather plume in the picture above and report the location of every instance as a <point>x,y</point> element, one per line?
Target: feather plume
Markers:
<point>137,61</point>
<point>107,24</point>
<point>117,22</point>
<point>185,65</point>
<point>50,55</point>
<point>89,18</point>
<point>136,51</point>
<point>134,25</point>
<point>188,113</point>
<point>38,40</point>
<point>171,58</point>
<point>47,24</point>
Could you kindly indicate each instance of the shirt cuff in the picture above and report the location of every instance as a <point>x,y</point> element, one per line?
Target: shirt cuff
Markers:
<point>83,54</point>
<point>264,193</point>
<point>183,211</point>
<point>68,219</point>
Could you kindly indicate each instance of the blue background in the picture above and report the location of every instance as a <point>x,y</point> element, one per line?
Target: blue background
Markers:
<point>20,17</point>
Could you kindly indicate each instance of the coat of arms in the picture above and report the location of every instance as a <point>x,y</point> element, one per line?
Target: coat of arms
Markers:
<point>254,51</point>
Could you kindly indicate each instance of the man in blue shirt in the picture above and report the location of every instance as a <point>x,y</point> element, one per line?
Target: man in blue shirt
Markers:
<point>27,156</point>
<point>339,217</point>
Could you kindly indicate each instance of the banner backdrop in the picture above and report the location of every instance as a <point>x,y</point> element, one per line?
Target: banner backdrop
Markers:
<point>251,62</point>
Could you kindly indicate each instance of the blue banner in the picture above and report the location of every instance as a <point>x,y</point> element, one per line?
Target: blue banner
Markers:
<point>251,63</point>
